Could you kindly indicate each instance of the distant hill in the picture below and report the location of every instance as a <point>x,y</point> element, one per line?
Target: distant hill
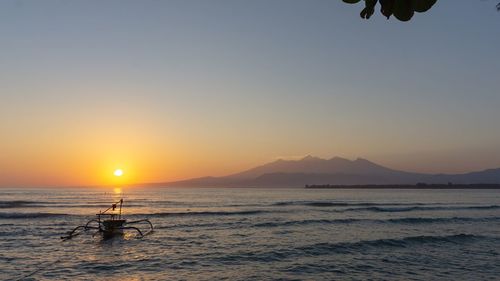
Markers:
<point>335,171</point>
<point>315,165</point>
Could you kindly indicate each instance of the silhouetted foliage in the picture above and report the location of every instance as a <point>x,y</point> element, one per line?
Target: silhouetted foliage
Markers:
<point>403,10</point>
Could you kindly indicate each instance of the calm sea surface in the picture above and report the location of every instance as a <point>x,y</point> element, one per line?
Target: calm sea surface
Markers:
<point>255,234</point>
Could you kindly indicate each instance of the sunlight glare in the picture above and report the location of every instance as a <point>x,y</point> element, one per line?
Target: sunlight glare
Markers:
<point>118,173</point>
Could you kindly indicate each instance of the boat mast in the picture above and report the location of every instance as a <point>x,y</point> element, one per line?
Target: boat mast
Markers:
<point>120,213</point>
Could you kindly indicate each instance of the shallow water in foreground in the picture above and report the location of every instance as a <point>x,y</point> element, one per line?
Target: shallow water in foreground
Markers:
<point>255,234</point>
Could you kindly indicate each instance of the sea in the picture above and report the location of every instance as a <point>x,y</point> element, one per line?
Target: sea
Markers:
<point>253,234</point>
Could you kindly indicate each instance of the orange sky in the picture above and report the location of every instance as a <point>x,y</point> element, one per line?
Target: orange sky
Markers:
<point>83,142</point>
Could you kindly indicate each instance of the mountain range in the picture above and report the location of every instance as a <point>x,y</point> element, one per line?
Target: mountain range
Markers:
<point>335,171</point>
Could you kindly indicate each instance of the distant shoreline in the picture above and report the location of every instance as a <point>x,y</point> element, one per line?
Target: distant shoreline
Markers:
<point>405,186</point>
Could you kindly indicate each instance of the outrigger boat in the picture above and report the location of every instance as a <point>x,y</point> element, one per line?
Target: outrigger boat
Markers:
<point>109,224</point>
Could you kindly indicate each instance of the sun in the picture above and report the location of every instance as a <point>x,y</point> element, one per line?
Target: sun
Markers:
<point>118,173</point>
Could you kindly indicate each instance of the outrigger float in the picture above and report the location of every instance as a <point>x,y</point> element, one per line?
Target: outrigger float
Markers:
<point>109,224</point>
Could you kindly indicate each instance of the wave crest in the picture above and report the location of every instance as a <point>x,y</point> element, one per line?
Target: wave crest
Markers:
<point>29,215</point>
<point>205,213</point>
<point>407,220</point>
<point>420,208</point>
<point>19,204</point>
<point>342,204</point>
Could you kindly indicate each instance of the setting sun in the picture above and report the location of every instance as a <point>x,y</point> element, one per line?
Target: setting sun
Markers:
<point>118,173</point>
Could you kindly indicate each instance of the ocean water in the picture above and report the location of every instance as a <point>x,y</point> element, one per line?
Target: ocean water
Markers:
<point>255,234</point>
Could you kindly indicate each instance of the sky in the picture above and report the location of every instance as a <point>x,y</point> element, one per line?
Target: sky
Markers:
<point>174,89</point>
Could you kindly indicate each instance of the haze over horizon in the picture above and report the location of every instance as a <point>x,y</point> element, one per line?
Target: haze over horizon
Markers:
<point>170,90</point>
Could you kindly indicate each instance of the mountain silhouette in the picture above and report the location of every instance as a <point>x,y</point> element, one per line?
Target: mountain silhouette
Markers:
<point>315,165</point>
<point>336,171</point>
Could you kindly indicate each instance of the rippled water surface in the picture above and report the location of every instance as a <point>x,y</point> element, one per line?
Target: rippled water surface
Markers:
<point>255,234</point>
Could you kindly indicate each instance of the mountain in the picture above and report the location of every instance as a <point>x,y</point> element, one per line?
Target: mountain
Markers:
<point>335,171</point>
<point>310,164</point>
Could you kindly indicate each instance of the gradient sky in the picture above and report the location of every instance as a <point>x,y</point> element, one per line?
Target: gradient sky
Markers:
<point>175,89</point>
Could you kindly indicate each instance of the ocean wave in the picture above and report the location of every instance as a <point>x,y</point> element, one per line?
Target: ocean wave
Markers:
<point>443,220</point>
<point>216,225</point>
<point>159,215</point>
<point>410,220</point>
<point>390,243</point>
<point>38,204</point>
<point>205,213</point>
<point>306,222</point>
<point>419,208</point>
<point>344,204</point>
<point>29,215</point>
<point>362,246</point>
<point>20,204</point>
